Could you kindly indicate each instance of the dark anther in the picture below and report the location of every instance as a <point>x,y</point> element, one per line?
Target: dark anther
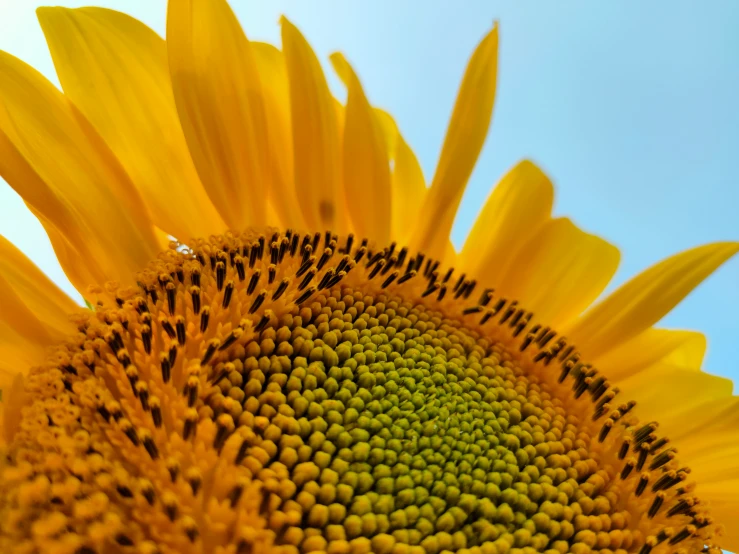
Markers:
<point>343,263</point>
<point>271,273</point>
<point>643,482</point>
<point>646,548</point>
<point>683,506</point>
<point>643,432</point>
<point>142,391</point>
<point>195,277</point>
<point>376,269</point>
<point>166,368</point>
<point>323,283</point>
<point>240,269</point>
<point>103,411</point>
<point>624,450</point>
<point>360,253</point>
<point>130,432</point>
<point>336,278</point>
<point>171,510</point>
<point>147,492</point>
<point>281,288</point>
<point>643,453</point>
<point>662,458</point>
<point>349,242</point>
<point>274,253</point>
<point>213,345</point>
<point>390,279</point>
<point>146,338</point>
<point>486,317</point>
<point>204,317</point>
<point>442,292</point>
<point>180,326</point>
<point>324,258</point>
<point>566,353</point>
<point>306,295</point>
<point>469,289</point>
<point>156,415</point>
<point>220,275</point>
<point>173,467</point>
<point>141,305</point>
<point>257,302</point>
<point>195,295</point>
<point>486,297</point>
<point>432,289</point>
<point>253,255</point>
<point>509,312</point>
<point>407,276</point>
<point>191,390</point>
<point>375,258</point>
<point>167,326</point>
<point>627,469</point>
<point>212,262</point>
<point>151,447</point>
<point>241,454</point>
<point>253,282</point>
<point>681,535</point>
<point>284,244</point>
<point>69,369</point>
<point>522,324</point>
<point>656,445</point>
<point>124,491</point>
<point>123,357</point>
<point>472,310</point>
<point>656,505</point>
<point>171,297</point>
<point>448,276</point>
<point>233,336</point>
<point>189,428</point>
<point>123,540</point>
<point>227,294</point>
<point>294,244</point>
<point>305,266</point>
<point>390,263</point>
<point>607,425</point>
<point>262,323</point>
<point>235,494</point>
<point>516,317</point>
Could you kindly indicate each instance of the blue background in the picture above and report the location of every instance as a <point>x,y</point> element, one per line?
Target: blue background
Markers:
<point>631,108</point>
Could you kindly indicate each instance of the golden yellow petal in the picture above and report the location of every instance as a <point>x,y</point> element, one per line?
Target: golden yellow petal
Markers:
<point>46,302</point>
<point>643,301</point>
<point>559,271</point>
<point>61,167</point>
<point>465,136</point>
<point>408,190</point>
<point>220,102</point>
<point>316,142</point>
<point>276,88</point>
<point>365,161</point>
<point>685,348</point>
<point>518,205</point>
<point>114,68</point>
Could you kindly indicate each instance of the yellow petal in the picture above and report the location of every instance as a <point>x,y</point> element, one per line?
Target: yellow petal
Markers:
<point>273,75</point>
<point>643,301</point>
<point>685,348</point>
<point>61,167</point>
<point>518,205</point>
<point>220,103</point>
<point>408,190</point>
<point>559,271</point>
<point>45,301</point>
<point>465,136</point>
<point>316,146</point>
<point>366,164</point>
<point>114,69</point>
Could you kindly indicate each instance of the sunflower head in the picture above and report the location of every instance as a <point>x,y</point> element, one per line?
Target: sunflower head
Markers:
<point>323,372</point>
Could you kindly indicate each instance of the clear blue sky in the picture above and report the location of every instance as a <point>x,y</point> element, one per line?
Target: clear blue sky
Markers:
<point>630,106</point>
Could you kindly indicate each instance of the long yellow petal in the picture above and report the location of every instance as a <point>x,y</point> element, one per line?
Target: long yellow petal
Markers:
<point>45,301</point>
<point>643,301</point>
<point>409,191</point>
<point>366,164</point>
<point>559,271</point>
<point>685,348</point>
<point>114,69</point>
<point>518,205</point>
<point>273,75</point>
<point>316,143</point>
<point>465,136</point>
<point>61,167</point>
<point>220,103</point>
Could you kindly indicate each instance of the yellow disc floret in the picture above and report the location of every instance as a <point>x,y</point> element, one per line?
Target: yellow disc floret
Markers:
<point>307,393</point>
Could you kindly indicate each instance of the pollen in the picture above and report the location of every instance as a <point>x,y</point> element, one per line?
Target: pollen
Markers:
<point>281,392</point>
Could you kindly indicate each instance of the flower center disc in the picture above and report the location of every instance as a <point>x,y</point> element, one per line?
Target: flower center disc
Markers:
<point>305,394</point>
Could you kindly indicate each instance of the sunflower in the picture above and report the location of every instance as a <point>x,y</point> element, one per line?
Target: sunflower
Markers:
<point>283,352</point>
